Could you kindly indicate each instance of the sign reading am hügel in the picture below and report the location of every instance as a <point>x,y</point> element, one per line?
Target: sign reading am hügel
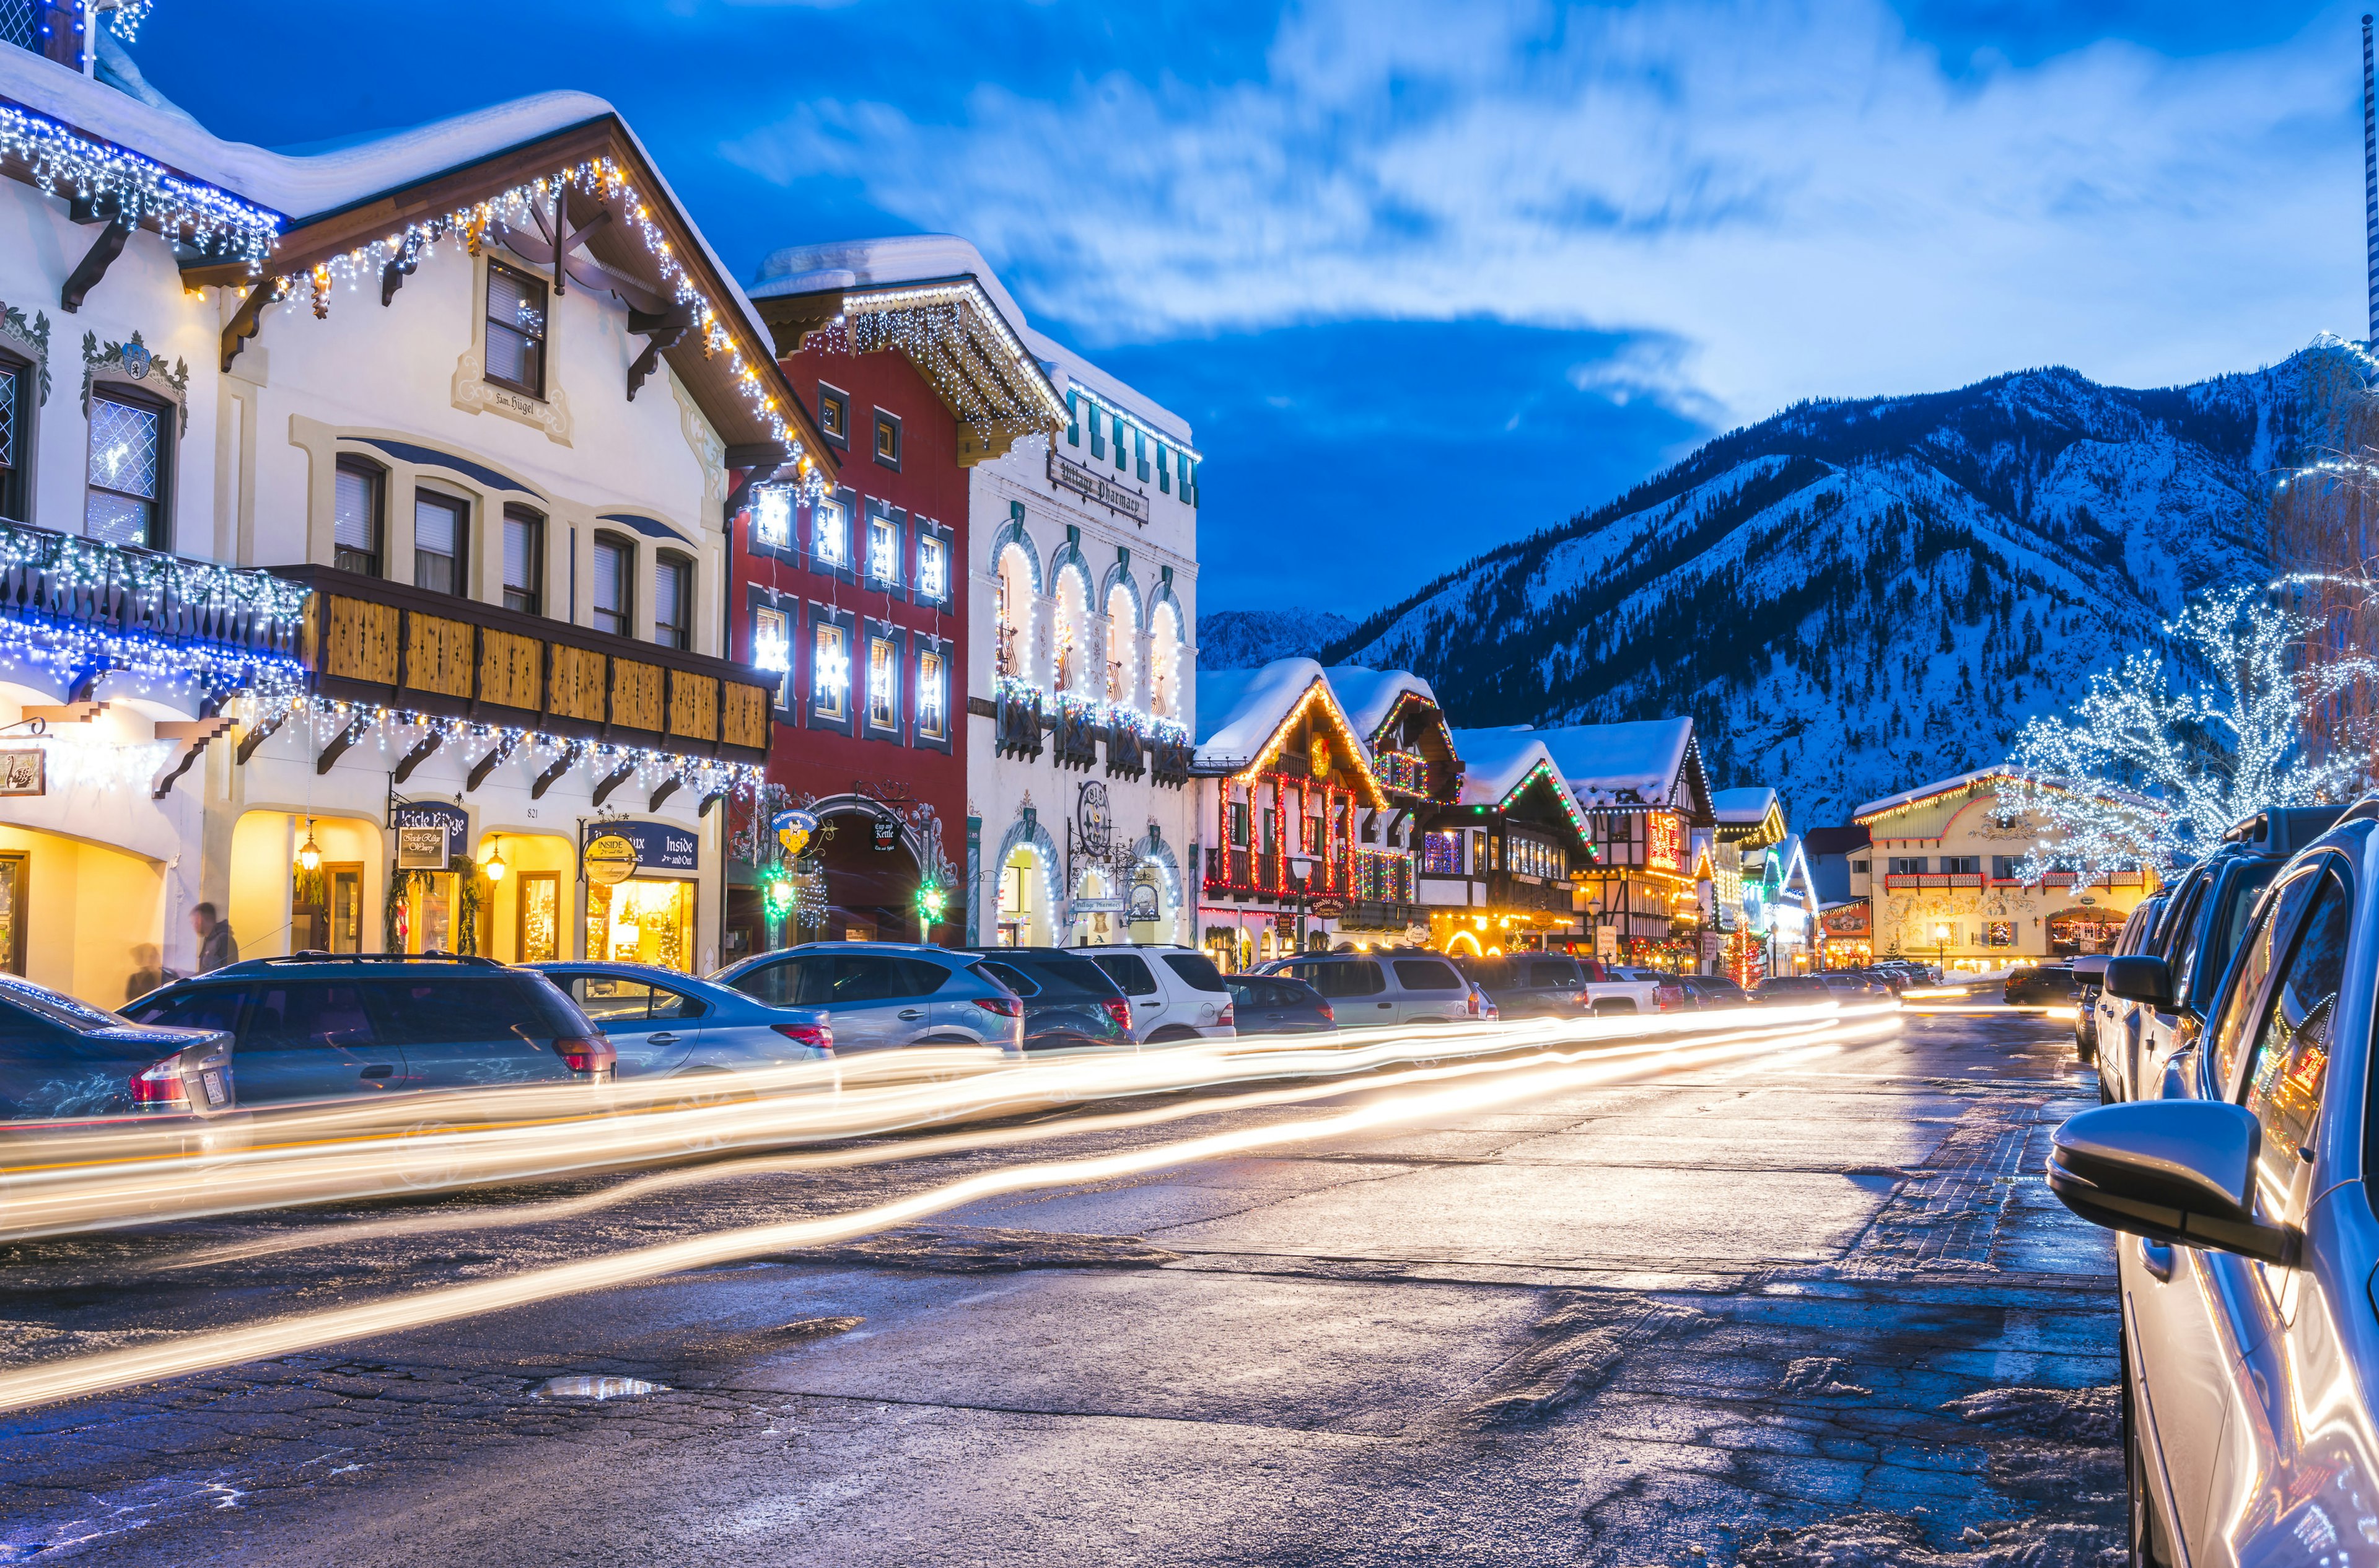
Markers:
<point>1084,482</point>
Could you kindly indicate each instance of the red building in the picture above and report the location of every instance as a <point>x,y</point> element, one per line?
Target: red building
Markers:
<point>852,585</point>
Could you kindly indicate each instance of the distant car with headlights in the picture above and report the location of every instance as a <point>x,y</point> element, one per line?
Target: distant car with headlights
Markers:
<point>885,996</point>
<point>1279,1003</point>
<point>664,1024</point>
<point>1705,992</point>
<point>330,1026</point>
<point>63,1060</point>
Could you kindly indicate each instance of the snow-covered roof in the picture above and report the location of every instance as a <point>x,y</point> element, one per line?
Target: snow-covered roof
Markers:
<point>1240,710</point>
<point>299,186</point>
<point>1639,763</point>
<point>1369,696</point>
<point>1496,762</point>
<point>1928,791</point>
<point>1744,806</point>
<point>892,262</point>
<point>1067,367</point>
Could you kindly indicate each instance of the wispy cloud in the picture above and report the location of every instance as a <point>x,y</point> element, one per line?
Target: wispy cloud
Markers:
<point>1800,199</point>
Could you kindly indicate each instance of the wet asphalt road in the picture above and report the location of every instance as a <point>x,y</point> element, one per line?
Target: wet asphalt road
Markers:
<point>1822,1312</point>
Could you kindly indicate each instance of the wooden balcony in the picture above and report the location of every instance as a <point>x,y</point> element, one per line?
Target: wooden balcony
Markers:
<point>366,640</point>
<point>54,578</point>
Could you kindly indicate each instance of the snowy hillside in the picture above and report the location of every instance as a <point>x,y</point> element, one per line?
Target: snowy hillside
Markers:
<point>1243,639</point>
<point>1851,597</point>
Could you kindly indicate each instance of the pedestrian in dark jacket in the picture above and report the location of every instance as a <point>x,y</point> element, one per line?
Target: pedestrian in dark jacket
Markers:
<point>216,945</point>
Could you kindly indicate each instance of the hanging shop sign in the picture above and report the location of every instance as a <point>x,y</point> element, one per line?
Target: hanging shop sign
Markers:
<point>1846,920</point>
<point>1328,909</point>
<point>429,836</point>
<point>24,773</point>
<point>888,834</point>
<point>1066,474</point>
<point>648,847</point>
<point>1664,842</point>
<point>795,829</point>
<point>1143,901</point>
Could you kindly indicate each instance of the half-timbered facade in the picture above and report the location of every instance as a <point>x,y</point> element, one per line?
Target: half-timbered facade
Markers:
<point>1500,863</point>
<point>1644,793</point>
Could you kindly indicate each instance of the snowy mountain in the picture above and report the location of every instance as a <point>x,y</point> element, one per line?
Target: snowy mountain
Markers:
<point>1245,639</point>
<point>1854,596</point>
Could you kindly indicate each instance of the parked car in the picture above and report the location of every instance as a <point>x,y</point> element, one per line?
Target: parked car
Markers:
<point>1635,989</point>
<point>1708,991</point>
<point>1535,985</point>
<point>1069,1003</point>
<point>2089,969</point>
<point>2109,1016</point>
<point>1910,973</point>
<point>323,1025</point>
<point>664,1024</point>
<point>1393,988</point>
<point>2238,1183</point>
<point>1792,990</point>
<point>2205,912</point>
<point>2042,986</point>
<point>62,1060</point>
<point>1176,993</point>
<point>1278,1004</point>
<point>884,995</point>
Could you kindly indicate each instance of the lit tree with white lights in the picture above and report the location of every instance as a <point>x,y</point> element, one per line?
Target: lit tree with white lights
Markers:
<point>2168,751</point>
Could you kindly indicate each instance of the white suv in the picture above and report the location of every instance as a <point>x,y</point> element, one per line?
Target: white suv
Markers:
<point>1176,993</point>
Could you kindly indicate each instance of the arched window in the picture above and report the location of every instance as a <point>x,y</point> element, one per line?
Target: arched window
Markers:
<point>523,560</point>
<point>1070,652</point>
<point>611,593</point>
<point>1012,646</point>
<point>1123,637</point>
<point>359,515</point>
<point>1165,662</point>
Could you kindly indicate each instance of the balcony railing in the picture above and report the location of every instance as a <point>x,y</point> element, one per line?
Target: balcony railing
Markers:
<point>66,581</point>
<point>373,641</point>
<point>1506,890</point>
<point>1075,737</point>
<point>1169,761</point>
<point>1016,720</point>
<point>1127,756</point>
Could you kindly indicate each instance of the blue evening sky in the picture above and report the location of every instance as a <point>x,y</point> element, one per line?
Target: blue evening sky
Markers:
<point>1429,276</point>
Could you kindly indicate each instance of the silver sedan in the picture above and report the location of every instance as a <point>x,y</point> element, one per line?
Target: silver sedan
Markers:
<point>665,1024</point>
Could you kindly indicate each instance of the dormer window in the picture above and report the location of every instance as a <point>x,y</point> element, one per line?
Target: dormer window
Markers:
<point>515,330</point>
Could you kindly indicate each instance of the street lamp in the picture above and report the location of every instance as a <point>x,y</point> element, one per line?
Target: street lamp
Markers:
<point>1301,877</point>
<point>1941,953</point>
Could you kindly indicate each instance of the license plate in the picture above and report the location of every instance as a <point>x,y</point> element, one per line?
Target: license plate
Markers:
<point>213,1083</point>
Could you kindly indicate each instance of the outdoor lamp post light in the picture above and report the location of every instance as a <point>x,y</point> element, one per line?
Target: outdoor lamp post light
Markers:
<point>1300,876</point>
<point>1941,952</point>
<point>494,864</point>
<point>309,853</point>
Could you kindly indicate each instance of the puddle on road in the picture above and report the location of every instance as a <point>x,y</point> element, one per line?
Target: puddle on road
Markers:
<point>581,1387</point>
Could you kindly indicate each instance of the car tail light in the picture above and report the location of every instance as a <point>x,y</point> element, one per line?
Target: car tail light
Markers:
<point>1585,1000</point>
<point>1120,1010</point>
<point>587,1054</point>
<point>161,1085</point>
<point>1328,1014</point>
<point>1473,1000</point>
<point>1228,1017</point>
<point>1005,1006</point>
<point>815,1035</point>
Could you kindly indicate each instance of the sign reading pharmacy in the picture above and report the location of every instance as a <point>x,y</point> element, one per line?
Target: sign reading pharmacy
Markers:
<point>617,850</point>
<point>1091,485</point>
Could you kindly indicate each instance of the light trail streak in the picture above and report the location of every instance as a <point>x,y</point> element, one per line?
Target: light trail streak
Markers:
<point>50,1381</point>
<point>421,1143</point>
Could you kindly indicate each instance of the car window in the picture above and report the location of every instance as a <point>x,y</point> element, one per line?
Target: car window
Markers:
<point>803,982</point>
<point>1360,977</point>
<point>1062,975</point>
<point>1557,972</point>
<point>1427,974</point>
<point>1196,969</point>
<point>1127,970</point>
<point>2238,902</point>
<point>608,999</point>
<point>867,977</point>
<point>214,1006</point>
<point>307,1015</point>
<point>2291,1056</point>
<point>22,1031</point>
<point>921,977</point>
<point>1016,980</point>
<point>2259,953</point>
<point>77,1016</point>
<point>669,1004</point>
<point>443,1011</point>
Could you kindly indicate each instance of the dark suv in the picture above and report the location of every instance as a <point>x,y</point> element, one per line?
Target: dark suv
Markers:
<point>2204,913</point>
<point>1536,985</point>
<point>1070,1004</point>
<point>319,1025</point>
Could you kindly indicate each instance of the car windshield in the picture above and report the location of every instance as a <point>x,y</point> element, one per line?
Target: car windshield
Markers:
<point>77,1016</point>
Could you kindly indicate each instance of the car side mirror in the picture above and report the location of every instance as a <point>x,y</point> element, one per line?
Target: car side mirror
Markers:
<point>2142,979</point>
<point>2177,1171</point>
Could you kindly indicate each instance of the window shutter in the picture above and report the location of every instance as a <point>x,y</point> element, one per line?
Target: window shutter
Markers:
<point>1118,439</point>
<point>1073,422</point>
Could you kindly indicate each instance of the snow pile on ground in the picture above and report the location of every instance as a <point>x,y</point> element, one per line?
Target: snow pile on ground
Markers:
<point>1899,1541</point>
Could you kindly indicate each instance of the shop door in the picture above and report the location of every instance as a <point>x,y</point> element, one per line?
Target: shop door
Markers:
<point>13,912</point>
<point>346,907</point>
<point>541,917</point>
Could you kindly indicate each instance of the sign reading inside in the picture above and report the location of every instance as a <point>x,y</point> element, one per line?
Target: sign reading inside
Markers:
<point>429,836</point>
<point>640,847</point>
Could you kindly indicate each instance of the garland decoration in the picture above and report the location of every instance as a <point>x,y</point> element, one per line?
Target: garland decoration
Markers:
<point>129,188</point>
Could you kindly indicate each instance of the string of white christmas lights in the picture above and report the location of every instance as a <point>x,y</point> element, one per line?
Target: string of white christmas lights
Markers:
<point>126,184</point>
